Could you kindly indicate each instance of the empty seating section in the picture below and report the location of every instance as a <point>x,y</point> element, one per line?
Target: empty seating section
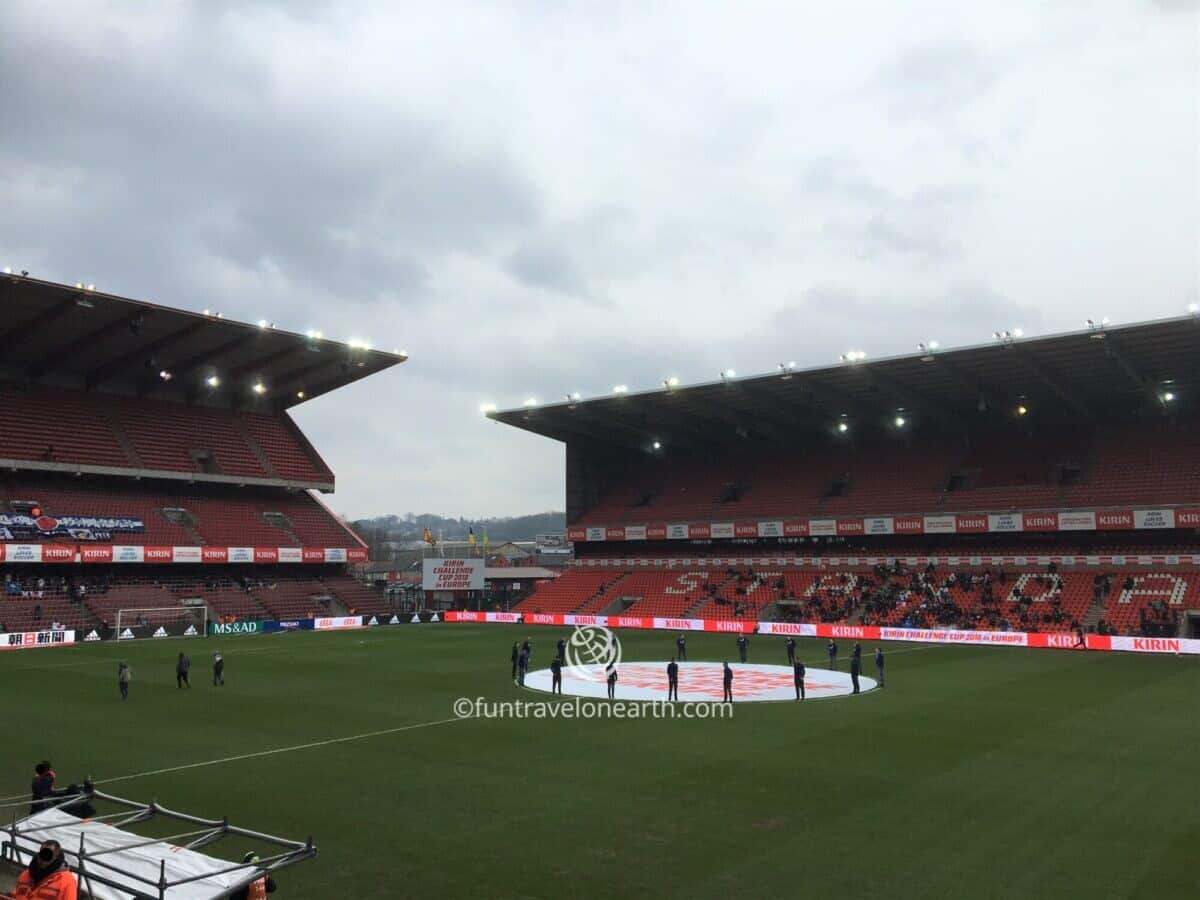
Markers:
<point>357,598</point>
<point>661,593</point>
<point>1137,465</point>
<point>169,436</point>
<point>568,592</point>
<point>218,515</point>
<point>277,438</point>
<point>53,425</point>
<point>58,426</point>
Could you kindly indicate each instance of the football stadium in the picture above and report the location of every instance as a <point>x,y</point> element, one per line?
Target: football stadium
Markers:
<point>952,598</point>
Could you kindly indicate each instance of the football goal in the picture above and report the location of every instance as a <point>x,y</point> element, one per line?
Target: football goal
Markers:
<point>159,622</point>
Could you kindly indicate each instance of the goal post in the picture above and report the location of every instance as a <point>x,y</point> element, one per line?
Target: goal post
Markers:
<point>161,621</point>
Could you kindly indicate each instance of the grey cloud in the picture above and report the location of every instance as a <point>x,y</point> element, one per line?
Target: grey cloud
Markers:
<point>936,81</point>
<point>546,265</point>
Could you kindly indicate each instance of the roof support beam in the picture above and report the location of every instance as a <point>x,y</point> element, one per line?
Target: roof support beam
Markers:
<point>32,326</point>
<point>910,399</point>
<point>200,361</point>
<point>1057,387</point>
<point>1112,349</point>
<point>87,340</point>
<point>135,358</point>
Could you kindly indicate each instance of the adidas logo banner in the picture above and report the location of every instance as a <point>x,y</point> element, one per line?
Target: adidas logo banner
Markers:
<point>191,631</point>
<point>416,619</point>
<point>372,621</point>
<point>434,618</point>
<point>162,632</point>
<point>126,634</point>
<point>394,620</point>
<point>92,636</point>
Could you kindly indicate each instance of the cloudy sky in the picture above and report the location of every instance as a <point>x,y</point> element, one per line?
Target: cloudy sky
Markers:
<point>537,198</point>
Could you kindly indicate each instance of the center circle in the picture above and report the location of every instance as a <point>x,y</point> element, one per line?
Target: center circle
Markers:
<point>701,682</point>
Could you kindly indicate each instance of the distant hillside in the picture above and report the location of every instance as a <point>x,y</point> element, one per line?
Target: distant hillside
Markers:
<point>410,527</point>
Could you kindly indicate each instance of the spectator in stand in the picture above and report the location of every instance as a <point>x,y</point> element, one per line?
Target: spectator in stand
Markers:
<point>47,876</point>
<point>37,612</point>
<point>41,789</point>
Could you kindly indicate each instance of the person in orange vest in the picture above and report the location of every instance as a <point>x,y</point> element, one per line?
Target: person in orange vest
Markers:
<point>257,889</point>
<point>47,877</point>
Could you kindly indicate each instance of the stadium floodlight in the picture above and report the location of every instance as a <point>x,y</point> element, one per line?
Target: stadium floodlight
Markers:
<point>79,285</point>
<point>531,401</point>
<point>620,389</point>
<point>8,270</point>
<point>486,408</point>
<point>263,323</point>
<point>786,369</point>
<point>91,287</point>
<point>672,382</point>
<point>574,395</point>
<point>299,395</point>
<point>212,381</point>
<point>403,354</point>
<point>165,375</point>
<point>1168,396</point>
<point>1018,332</point>
<point>1194,308</point>
<point>656,445</point>
<point>1022,409</point>
<point>358,344</point>
<point>900,421</point>
<point>726,374</point>
<point>853,356</point>
<point>259,388</point>
<point>208,312</point>
<point>843,427</point>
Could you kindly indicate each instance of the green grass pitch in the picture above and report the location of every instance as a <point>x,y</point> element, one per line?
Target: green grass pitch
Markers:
<point>977,772</point>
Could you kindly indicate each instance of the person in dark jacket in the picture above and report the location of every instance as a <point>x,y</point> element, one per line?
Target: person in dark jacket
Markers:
<point>790,644</point>
<point>182,667</point>
<point>516,656</point>
<point>798,675</point>
<point>561,647</point>
<point>218,670</point>
<point>727,678</point>
<point>41,789</point>
<point>556,675</point>
<point>522,668</point>
<point>879,664</point>
<point>681,648</point>
<point>743,644</point>
<point>672,680</point>
<point>612,682</point>
<point>833,656</point>
<point>855,665</point>
<point>124,676</point>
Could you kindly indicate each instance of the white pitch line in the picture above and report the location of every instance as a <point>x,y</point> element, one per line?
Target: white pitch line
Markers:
<point>260,753</point>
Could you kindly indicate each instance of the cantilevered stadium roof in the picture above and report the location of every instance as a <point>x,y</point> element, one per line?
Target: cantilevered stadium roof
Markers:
<point>1103,373</point>
<point>78,337</point>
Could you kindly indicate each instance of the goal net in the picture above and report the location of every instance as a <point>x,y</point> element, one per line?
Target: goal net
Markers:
<point>159,622</point>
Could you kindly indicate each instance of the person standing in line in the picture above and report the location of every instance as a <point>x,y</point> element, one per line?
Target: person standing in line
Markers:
<point>790,644</point>
<point>516,656</point>
<point>612,681</point>
<point>798,674</point>
<point>218,670</point>
<point>855,666</point>
<point>672,680</point>
<point>556,675</point>
<point>833,656</point>
<point>522,667</point>
<point>727,678</point>
<point>124,676</point>
<point>561,647</point>
<point>879,664</point>
<point>743,643</point>
<point>681,648</point>
<point>182,667</point>
<point>527,650</point>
